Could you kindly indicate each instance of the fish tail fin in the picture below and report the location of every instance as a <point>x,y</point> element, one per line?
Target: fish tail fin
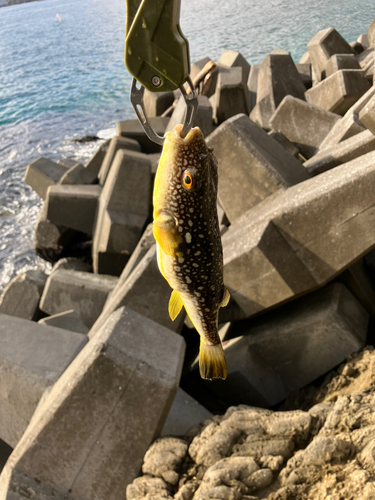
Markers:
<point>212,362</point>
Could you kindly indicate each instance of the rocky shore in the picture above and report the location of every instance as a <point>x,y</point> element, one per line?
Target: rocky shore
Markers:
<point>100,393</point>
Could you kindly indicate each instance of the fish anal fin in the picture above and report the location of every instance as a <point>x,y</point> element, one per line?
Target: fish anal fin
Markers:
<point>226,298</point>
<point>212,363</point>
<point>175,305</point>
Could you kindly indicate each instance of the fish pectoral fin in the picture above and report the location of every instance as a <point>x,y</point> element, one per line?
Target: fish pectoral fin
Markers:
<point>168,239</point>
<point>212,363</point>
<point>226,298</point>
<point>175,305</point>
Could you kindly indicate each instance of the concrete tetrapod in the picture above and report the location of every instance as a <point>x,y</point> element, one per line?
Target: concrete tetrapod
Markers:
<point>88,438</point>
<point>301,238</point>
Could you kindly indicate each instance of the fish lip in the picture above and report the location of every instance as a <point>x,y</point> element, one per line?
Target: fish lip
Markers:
<point>192,133</point>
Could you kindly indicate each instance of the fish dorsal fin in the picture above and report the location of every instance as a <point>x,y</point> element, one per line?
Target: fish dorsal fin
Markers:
<point>175,305</point>
<point>226,298</point>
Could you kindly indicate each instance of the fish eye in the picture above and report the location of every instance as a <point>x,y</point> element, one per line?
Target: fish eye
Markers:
<point>187,180</point>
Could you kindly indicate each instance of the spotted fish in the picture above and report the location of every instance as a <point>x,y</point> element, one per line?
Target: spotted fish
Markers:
<point>189,250</point>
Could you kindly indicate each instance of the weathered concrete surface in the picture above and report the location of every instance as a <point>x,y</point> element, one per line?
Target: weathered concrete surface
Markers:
<point>5,451</point>
<point>339,92</point>
<point>305,73</point>
<point>252,170</point>
<point>145,291</point>
<point>73,206</point>
<point>42,173</point>
<point>341,61</point>
<point>203,119</point>
<point>347,150</point>
<point>22,295</point>
<point>68,320</point>
<point>68,162</point>
<point>156,103</point>
<point>301,238</point>
<point>32,358</point>
<point>95,162</point>
<point>231,94</point>
<point>284,142</point>
<point>185,413</point>
<point>322,46</point>
<point>72,263</point>
<point>133,364</point>
<point>78,174</point>
<point>276,354</point>
<point>277,77</point>
<point>133,129</point>
<point>86,293</point>
<point>367,115</point>
<point>124,209</point>
<point>303,123</point>
<point>115,145</point>
<point>232,59</point>
<point>252,85</point>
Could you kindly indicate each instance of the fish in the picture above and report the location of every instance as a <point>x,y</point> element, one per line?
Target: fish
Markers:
<point>189,250</point>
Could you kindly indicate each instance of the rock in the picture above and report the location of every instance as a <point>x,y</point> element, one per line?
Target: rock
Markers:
<point>322,46</point>
<point>303,123</point>
<point>50,240</point>
<point>252,85</point>
<point>42,173</point>
<point>68,320</point>
<point>284,142</point>
<point>86,293</point>
<point>133,129</point>
<point>95,162</point>
<point>132,364</point>
<point>203,119</point>
<point>123,212</point>
<point>145,291</point>
<point>256,168</point>
<point>78,174</point>
<point>231,94</point>
<point>184,414</point>
<point>116,144</point>
<point>339,92</point>
<point>22,295</point>
<point>367,115</point>
<point>164,457</point>
<point>277,77</point>
<point>148,487</point>
<point>156,103</point>
<point>341,61</point>
<point>270,357</point>
<point>32,358</point>
<point>301,238</point>
<point>347,150</point>
<point>73,206</point>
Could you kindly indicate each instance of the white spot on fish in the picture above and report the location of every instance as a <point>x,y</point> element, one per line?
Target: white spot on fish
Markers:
<point>197,294</point>
<point>201,235</point>
<point>181,260</point>
<point>191,210</point>
<point>177,268</point>
<point>190,223</point>
<point>188,237</point>
<point>195,265</point>
<point>197,253</point>
<point>188,280</point>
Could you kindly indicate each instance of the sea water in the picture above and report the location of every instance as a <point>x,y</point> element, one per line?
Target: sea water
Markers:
<point>62,77</point>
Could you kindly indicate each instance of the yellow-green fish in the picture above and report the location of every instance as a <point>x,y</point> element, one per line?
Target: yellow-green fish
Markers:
<point>186,230</point>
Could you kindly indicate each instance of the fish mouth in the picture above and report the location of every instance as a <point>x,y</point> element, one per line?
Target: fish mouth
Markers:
<point>193,133</point>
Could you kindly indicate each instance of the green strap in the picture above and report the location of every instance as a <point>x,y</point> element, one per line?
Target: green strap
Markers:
<point>156,51</point>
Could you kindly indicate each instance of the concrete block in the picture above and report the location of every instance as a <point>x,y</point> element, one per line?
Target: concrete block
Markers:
<point>203,119</point>
<point>322,46</point>
<point>124,210</point>
<point>305,73</point>
<point>371,34</point>
<point>68,320</point>
<point>252,85</point>
<point>145,291</point>
<point>22,295</point>
<point>303,123</point>
<point>42,173</point>
<point>363,39</point>
<point>301,238</point>
<point>347,150</point>
<point>347,126</point>
<point>50,240</point>
<point>233,59</point>
<point>305,58</point>
<point>78,174</point>
<point>95,162</point>
<point>116,144</point>
<point>5,451</point>
<point>339,92</point>
<point>133,130</point>
<point>367,115</point>
<point>208,86</point>
<point>154,159</point>
<point>357,47</point>
<point>185,413</point>
<point>256,168</point>
<point>277,77</point>
<point>89,437</point>
<point>231,94</point>
<point>73,264</point>
<point>197,66</point>
<point>68,162</point>
<point>366,58</point>
<point>32,358</point>
<point>284,142</point>
<point>73,206</point>
<point>281,352</point>
<point>156,103</point>
<point>86,293</point>
<point>341,61</point>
